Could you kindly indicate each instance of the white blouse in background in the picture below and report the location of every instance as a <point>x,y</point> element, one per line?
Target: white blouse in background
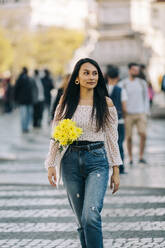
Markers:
<point>82,117</point>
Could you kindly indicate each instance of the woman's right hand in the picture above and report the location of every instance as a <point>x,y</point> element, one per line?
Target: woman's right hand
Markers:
<point>52,176</point>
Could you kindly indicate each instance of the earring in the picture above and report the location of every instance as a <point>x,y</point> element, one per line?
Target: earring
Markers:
<point>77,82</point>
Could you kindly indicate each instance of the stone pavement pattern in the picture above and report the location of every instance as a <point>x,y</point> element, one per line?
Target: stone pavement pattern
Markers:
<point>39,216</point>
<point>33,214</point>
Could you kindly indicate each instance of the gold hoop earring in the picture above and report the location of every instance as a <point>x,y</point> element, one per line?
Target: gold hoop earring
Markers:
<point>77,82</point>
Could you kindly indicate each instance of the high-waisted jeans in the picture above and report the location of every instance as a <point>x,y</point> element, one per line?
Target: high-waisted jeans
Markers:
<point>85,175</point>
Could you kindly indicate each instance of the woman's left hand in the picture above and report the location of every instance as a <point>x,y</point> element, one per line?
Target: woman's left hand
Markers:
<point>115,182</point>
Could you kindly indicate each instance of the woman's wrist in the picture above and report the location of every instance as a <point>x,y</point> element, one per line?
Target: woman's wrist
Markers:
<point>115,169</point>
<point>50,167</point>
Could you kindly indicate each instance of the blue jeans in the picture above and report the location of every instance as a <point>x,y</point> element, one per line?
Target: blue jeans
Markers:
<point>26,116</point>
<point>85,175</point>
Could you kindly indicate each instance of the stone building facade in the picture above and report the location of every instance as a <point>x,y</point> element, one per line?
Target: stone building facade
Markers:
<point>118,42</point>
<point>122,31</point>
<point>15,14</point>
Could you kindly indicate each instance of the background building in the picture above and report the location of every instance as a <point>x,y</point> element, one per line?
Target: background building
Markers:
<point>121,31</point>
<point>61,13</point>
<point>40,33</point>
<point>33,13</point>
<point>15,14</point>
<point>117,31</point>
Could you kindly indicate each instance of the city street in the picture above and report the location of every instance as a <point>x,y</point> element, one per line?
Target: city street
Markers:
<point>34,214</point>
<point>63,50</point>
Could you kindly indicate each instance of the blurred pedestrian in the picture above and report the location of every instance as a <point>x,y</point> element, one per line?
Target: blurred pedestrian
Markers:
<point>85,164</point>
<point>8,96</point>
<point>137,106</point>
<point>163,84</point>
<point>23,94</point>
<point>119,97</point>
<point>38,106</point>
<point>48,86</point>
<point>142,73</point>
<point>150,93</point>
<point>59,94</point>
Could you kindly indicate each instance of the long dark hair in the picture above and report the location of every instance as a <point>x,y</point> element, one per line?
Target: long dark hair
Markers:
<point>71,96</point>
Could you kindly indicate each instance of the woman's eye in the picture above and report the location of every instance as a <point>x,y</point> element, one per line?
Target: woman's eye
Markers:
<point>95,73</point>
<point>86,73</point>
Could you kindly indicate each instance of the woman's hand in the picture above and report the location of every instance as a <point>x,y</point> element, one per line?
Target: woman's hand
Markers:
<point>52,176</point>
<point>115,180</point>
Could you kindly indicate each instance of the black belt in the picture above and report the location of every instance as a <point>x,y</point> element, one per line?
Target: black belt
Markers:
<point>86,145</point>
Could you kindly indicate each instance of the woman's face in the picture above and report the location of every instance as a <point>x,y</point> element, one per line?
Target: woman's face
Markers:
<point>88,76</point>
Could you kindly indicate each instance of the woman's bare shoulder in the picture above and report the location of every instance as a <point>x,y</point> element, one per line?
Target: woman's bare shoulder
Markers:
<point>109,102</point>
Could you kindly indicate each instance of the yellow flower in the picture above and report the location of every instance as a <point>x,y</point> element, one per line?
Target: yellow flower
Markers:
<point>66,132</point>
<point>79,131</point>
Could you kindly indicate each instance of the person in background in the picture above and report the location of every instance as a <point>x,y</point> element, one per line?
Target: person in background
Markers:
<point>151,93</point>
<point>48,85</point>
<point>119,97</point>
<point>59,94</point>
<point>142,73</point>
<point>137,106</point>
<point>23,95</point>
<point>8,96</point>
<point>162,84</point>
<point>38,106</point>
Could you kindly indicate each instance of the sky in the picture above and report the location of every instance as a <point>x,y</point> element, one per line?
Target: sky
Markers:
<point>66,13</point>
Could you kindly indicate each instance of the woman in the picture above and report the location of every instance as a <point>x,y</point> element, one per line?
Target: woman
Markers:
<point>85,164</point>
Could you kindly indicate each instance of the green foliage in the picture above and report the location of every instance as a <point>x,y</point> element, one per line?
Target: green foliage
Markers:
<point>46,47</point>
<point>6,52</point>
<point>23,52</point>
<point>54,47</point>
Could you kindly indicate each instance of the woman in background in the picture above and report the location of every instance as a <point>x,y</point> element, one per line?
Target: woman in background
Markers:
<point>59,94</point>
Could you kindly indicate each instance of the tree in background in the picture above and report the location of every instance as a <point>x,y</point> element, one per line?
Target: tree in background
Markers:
<point>23,52</point>
<point>45,47</point>
<point>54,47</point>
<point>6,52</point>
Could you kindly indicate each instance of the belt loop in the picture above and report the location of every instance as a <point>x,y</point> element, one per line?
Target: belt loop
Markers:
<point>88,148</point>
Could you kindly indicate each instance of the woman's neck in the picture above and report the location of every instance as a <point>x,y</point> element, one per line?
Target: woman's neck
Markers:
<point>86,95</point>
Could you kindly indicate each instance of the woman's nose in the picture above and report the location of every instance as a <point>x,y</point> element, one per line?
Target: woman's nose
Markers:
<point>92,77</point>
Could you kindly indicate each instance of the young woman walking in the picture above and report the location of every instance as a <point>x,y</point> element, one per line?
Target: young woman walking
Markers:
<point>85,163</point>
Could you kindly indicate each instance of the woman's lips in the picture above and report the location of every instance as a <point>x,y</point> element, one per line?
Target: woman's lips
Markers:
<point>91,82</point>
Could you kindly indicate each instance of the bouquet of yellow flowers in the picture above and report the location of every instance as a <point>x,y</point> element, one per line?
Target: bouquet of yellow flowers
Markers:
<point>66,132</point>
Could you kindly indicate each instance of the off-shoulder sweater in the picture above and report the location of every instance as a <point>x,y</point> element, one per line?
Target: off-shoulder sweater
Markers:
<point>82,117</point>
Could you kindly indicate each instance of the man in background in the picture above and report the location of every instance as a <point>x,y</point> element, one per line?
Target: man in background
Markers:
<point>137,106</point>
<point>142,73</point>
<point>38,106</point>
<point>23,94</point>
<point>118,96</point>
<point>47,82</point>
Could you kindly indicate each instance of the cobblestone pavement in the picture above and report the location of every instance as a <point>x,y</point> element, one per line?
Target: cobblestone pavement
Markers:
<point>22,156</point>
<point>33,214</point>
<point>39,216</point>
